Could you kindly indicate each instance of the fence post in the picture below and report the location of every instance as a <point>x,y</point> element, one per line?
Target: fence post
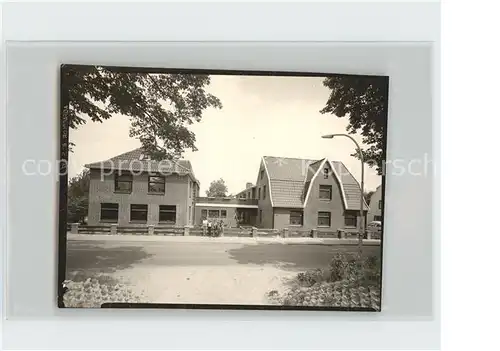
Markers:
<point>252,233</point>
<point>285,232</point>
<point>186,230</point>
<point>314,233</point>
<point>151,229</point>
<point>114,229</point>
<point>74,228</point>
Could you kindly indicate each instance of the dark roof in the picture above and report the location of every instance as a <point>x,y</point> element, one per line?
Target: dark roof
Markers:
<point>137,161</point>
<point>352,188</point>
<point>289,180</point>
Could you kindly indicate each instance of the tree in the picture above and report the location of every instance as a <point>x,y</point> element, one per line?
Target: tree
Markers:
<point>78,196</point>
<point>368,196</point>
<point>160,105</point>
<point>363,99</point>
<point>217,188</point>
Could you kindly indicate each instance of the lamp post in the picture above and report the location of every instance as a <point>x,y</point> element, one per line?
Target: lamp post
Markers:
<point>361,199</point>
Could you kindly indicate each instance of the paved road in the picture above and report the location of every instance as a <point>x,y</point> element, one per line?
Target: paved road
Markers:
<point>198,272</point>
<point>111,256</point>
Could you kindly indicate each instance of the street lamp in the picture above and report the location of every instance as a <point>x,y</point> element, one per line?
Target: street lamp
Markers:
<point>361,200</point>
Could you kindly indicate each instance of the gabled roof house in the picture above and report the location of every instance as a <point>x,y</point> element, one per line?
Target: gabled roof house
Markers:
<point>305,193</point>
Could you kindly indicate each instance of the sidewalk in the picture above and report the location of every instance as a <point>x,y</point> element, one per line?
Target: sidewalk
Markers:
<point>235,240</point>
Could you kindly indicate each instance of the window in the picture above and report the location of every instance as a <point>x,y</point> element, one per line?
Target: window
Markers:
<point>249,195</point>
<point>379,204</point>
<point>168,213</point>
<point>264,192</point>
<point>204,214</point>
<point>377,218</point>
<point>194,190</point>
<point>325,173</point>
<point>350,219</point>
<point>260,216</point>
<point>324,219</point>
<point>109,212</point>
<point>189,188</point>
<point>296,217</point>
<point>258,197</point>
<point>325,192</point>
<point>139,213</point>
<point>223,213</point>
<point>156,185</point>
<point>123,182</point>
<point>189,214</point>
<point>243,196</point>
<point>213,213</point>
<point>261,174</point>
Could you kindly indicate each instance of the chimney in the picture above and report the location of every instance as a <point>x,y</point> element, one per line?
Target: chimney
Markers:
<point>249,185</point>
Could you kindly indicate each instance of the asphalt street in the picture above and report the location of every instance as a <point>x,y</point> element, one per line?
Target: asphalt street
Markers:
<point>110,256</point>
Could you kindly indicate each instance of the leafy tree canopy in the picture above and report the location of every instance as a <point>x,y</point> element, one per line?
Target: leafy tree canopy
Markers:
<point>217,188</point>
<point>363,100</point>
<point>78,196</point>
<point>160,105</point>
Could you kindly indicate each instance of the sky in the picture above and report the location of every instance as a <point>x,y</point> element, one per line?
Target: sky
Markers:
<point>261,116</point>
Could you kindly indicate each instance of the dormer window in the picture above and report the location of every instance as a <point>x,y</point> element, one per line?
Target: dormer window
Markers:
<point>325,173</point>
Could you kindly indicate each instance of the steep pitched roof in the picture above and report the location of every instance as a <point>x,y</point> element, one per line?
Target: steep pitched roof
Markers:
<point>290,178</point>
<point>286,179</point>
<point>136,161</point>
<point>352,189</point>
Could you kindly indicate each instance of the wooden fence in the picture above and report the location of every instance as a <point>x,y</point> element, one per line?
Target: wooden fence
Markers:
<point>291,232</point>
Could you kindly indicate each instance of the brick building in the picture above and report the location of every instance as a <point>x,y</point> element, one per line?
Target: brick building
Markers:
<point>131,189</point>
<point>293,192</point>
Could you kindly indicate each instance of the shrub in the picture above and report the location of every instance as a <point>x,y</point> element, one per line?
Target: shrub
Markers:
<point>310,278</point>
<point>92,293</point>
<point>344,284</point>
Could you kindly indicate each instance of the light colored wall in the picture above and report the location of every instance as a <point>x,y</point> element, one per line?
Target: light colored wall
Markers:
<point>264,204</point>
<point>374,205</point>
<point>314,204</point>
<point>176,193</point>
<point>281,217</point>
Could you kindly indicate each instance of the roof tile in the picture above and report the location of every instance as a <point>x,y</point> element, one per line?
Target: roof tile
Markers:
<point>134,161</point>
<point>290,179</point>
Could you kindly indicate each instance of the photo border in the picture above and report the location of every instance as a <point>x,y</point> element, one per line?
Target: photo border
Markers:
<point>63,186</point>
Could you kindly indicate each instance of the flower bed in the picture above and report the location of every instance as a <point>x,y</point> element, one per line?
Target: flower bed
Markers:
<point>344,284</point>
<point>92,293</point>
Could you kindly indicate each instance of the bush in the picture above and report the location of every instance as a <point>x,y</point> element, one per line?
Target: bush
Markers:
<point>310,278</point>
<point>344,284</point>
<point>92,293</point>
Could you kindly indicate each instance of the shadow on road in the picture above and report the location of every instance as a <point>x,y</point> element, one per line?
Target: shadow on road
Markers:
<point>89,260</point>
<point>293,256</point>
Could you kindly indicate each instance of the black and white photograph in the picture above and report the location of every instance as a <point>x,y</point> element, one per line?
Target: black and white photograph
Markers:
<point>188,188</point>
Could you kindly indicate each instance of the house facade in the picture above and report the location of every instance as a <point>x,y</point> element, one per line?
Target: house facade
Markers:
<point>303,193</point>
<point>375,212</point>
<point>233,212</point>
<point>130,189</point>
